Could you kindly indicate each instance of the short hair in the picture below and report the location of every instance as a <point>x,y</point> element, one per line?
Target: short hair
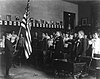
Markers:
<point>98,33</point>
<point>81,32</point>
<point>59,32</point>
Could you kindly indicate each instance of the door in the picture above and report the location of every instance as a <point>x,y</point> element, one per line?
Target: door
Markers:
<point>69,21</point>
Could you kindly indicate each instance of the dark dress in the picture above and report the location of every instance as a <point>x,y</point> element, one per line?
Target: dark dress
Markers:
<point>58,48</point>
<point>81,47</point>
<point>8,55</point>
<point>35,48</point>
<point>81,51</point>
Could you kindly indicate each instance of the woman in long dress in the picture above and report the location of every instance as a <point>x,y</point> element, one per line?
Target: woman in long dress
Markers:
<point>96,53</point>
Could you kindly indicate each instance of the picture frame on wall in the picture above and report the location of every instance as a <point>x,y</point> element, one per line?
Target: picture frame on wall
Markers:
<point>84,21</point>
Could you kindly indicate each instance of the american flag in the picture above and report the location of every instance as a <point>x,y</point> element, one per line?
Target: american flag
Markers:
<point>26,25</point>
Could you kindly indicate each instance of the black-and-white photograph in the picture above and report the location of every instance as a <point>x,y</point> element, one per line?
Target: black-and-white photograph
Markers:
<point>49,39</point>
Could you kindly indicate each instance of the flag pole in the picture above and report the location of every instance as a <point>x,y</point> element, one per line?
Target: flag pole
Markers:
<point>17,39</point>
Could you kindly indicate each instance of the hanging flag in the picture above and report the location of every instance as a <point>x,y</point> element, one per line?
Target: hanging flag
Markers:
<point>26,25</point>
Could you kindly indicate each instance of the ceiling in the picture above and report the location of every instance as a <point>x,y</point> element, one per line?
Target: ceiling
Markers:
<point>83,1</point>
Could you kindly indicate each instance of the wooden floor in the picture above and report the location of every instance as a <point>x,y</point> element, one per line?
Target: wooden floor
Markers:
<point>28,72</point>
<point>25,73</point>
<point>33,72</point>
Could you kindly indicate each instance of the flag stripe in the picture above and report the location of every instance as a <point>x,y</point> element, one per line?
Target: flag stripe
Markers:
<point>24,20</point>
<point>28,30</point>
<point>26,54</point>
<point>29,44</point>
<point>26,47</point>
<point>25,16</point>
<point>23,25</point>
